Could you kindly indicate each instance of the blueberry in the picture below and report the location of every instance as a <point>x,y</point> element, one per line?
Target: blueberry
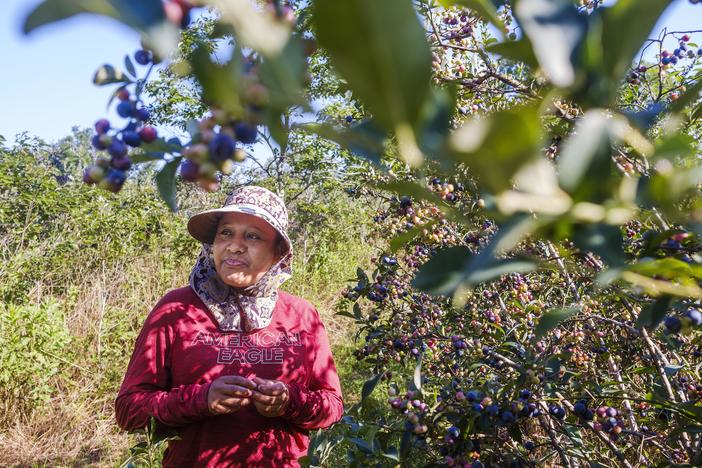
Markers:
<point>142,114</point>
<point>131,138</point>
<point>525,394</point>
<point>349,118</point>
<point>672,323</point>
<point>507,417</point>
<point>97,143</point>
<point>695,316</point>
<point>245,133</point>
<point>556,411</point>
<point>579,408</point>
<point>673,60</point>
<point>665,60</point>
<point>529,445</point>
<point>472,395</point>
<point>189,170</point>
<point>117,148</point>
<point>114,180</point>
<point>123,163</point>
<point>143,57</point>
<point>493,410</point>
<point>453,432</point>
<point>125,109</point>
<point>221,147</point>
<point>102,126</point>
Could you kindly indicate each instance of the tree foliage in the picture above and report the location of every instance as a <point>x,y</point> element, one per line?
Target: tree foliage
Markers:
<point>536,173</point>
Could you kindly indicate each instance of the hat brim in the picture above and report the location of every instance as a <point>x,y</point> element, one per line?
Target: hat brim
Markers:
<point>202,226</point>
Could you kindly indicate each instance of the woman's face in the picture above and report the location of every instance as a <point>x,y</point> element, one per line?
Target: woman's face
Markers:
<point>244,249</point>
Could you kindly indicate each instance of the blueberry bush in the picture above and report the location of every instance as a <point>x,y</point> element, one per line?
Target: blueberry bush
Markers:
<point>534,170</point>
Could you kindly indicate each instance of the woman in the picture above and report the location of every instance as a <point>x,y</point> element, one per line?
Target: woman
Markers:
<point>240,369</point>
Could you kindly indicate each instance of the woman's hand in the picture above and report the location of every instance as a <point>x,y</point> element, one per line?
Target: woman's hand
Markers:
<point>229,393</point>
<point>271,397</point>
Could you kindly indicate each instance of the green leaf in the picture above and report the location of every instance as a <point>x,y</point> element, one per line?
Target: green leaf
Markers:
<point>365,140</point>
<point>556,30</point>
<point>412,189</point>
<point>520,50</point>
<point>626,25</point>
<point>369,386</point>
<point>483,145</point>
<point>166,183</point>
<point>483,8</point>
<point>392,453</point>
<point>253,28</point>
<point>654,313</point>
<point>380,49</point>
<point>144,16</point>
<point>406,237</point>
<point>603,240</point>
<point>51,11</point>
<point>453,267</point>
<point>129,66</point>
<point>586,151</point>
<point>551,319</point>
<point>219,82</point>
<point>107,74</point>
<point>283,75</point>
<point>417,379</point>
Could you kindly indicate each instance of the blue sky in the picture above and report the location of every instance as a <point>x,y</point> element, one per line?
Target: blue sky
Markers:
<point>46,86</point>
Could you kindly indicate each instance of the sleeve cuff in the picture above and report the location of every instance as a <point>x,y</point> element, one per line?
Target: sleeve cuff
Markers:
<point>296,401</point>
<point>201,405</point>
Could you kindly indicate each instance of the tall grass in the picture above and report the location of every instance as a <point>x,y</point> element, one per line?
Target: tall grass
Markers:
<point>81,270</point>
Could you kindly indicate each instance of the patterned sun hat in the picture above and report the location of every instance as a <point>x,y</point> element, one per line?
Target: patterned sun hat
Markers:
<point>251,200</point>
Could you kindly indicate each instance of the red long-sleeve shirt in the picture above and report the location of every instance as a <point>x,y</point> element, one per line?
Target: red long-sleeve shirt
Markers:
<point>180,351</point>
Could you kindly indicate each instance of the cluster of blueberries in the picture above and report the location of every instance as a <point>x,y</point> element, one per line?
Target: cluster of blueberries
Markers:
<point>680,53</point>
<point>675,324</point>
<point>110,173</point>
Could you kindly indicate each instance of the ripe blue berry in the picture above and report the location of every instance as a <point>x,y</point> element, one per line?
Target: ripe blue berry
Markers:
<point>142,114</point>
<point>665,60</point>
<point>221,147</point>
<point>695,316</point>
<point>131,138</point>
<point>123,163</point>
<point>493,410</point>
<point>143,57</point>
<point>349,118</point>
<point>507,417</point>
<point>525,394</point>
<point>472,395</point>
<point>117,148</point>
<point>245,133</point>
<point>673,324</point>
<point>114,180</point>
<point>579,408</point>
<point>102,126</point>
<point>125,109</point>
